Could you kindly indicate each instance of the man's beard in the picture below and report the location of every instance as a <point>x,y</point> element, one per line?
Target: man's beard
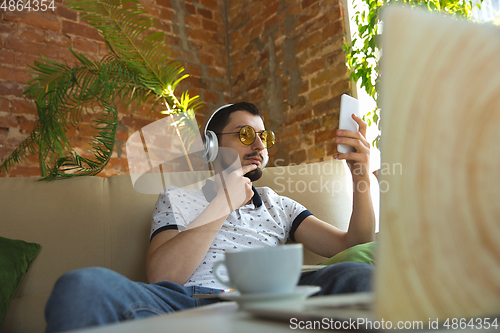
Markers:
<point>228,157</point>
<point>254,175</point>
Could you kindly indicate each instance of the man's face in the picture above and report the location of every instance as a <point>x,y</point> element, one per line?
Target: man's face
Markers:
<point>251,154</point>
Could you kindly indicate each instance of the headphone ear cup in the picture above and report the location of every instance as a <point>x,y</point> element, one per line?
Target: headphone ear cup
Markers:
<point>211,143</point>
<point>264,161</point>
<point>211,146</point>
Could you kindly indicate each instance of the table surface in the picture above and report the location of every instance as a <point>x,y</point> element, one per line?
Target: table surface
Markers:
<point>224,317</point>
<point>221,317</point>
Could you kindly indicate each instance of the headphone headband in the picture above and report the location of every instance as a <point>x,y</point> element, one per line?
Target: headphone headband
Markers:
<point>213,114</point>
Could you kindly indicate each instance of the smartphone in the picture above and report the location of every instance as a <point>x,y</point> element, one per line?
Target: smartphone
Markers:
<point>348,106</point>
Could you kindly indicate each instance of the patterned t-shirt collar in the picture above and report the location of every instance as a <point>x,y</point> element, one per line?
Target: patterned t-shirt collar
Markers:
<point>209,193</point>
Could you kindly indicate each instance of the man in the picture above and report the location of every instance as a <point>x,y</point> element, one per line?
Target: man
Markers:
<point>191,229</point>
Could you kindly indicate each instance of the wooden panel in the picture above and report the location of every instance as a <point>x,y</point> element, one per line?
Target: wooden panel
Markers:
<point>440,218</point>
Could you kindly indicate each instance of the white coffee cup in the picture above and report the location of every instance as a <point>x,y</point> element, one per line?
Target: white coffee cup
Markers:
<point>267,270</point>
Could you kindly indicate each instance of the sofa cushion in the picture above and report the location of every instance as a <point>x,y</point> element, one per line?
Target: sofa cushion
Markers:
<point>15,259</point>
<point>363,253</point>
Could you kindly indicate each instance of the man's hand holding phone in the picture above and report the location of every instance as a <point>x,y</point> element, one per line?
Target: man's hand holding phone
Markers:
<point>351,139</point>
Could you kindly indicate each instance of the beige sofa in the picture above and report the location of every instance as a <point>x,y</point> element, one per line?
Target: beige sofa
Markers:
<point>94,221</point>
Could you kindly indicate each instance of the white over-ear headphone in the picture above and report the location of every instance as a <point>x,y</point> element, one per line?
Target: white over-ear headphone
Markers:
<point>211,143</point>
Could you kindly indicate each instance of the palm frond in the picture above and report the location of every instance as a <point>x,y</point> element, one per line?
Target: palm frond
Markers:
<point>27,146</point>
<point>124,25</point>
<point>102,147</point>
<point>138,68</point>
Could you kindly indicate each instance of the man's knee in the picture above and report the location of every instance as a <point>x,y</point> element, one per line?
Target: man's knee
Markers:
<point>79,297</point>
<point>79,287</point>
<point>85,280</point>
<point>352,267</point>
<point>352,277</point>
<point>345,277</point>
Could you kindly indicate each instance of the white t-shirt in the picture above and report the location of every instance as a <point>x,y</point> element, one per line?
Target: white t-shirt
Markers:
<point>269,220</point>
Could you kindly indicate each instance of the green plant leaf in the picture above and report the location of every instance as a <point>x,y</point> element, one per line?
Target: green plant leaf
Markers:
<point>137,68</point>
<point>362,59</point>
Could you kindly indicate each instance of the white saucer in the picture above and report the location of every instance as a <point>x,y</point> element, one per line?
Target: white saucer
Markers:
<point>300,293</point>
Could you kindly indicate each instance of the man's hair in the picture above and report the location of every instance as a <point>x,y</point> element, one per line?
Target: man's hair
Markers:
<point>221,118</point>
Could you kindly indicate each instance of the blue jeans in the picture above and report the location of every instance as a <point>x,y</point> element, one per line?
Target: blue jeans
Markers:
<point>99,296</point>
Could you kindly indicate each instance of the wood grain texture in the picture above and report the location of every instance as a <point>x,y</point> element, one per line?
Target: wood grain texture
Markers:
<point>439,254</point>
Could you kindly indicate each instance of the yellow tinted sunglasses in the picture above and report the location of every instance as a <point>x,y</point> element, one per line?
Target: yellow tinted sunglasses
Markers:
<point>247,136</point>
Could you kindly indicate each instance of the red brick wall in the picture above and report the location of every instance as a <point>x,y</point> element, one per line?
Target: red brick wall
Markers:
<point>284,56</point>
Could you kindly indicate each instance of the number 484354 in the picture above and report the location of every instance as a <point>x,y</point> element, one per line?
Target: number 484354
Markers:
<point>30,5</point>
